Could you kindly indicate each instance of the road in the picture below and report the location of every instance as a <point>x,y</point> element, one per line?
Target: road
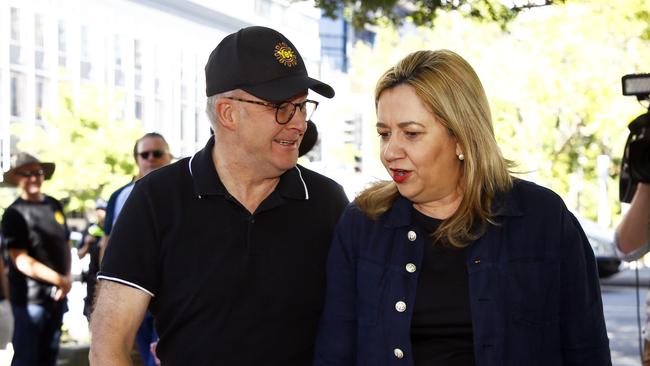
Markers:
<point>620,316</point>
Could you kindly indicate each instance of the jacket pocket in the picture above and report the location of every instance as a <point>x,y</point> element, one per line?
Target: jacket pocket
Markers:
<point>532,290</point>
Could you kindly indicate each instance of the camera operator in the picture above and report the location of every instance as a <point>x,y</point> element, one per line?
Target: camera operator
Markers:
<point>633,241</point>
<point>632,237</point>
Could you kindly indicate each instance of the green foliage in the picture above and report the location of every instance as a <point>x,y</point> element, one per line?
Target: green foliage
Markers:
<point>93,154</point>
<point>423,12</point>
<point>554,84</point>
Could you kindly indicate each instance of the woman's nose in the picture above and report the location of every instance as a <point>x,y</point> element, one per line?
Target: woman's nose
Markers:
<point>392,149</point>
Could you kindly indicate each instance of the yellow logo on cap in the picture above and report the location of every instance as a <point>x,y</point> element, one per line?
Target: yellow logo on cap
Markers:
<point>285,55</point>
<point>58,216</point>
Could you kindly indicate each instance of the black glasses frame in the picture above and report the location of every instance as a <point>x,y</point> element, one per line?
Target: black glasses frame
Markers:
<point>31,173</point>
<point>155,153</point>
<point>279,106</point>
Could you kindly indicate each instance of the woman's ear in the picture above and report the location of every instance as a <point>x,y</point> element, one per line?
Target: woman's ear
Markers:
<point>459,151</point>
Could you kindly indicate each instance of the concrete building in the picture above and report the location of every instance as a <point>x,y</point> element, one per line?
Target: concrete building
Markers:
<point>146,56</point>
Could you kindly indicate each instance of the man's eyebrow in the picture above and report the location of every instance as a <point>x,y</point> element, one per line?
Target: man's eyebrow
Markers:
<point>401,124</point>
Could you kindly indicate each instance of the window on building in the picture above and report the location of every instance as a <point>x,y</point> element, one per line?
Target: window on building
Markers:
<point>40,89</point>
<point>39,43</point>
<point>157,71</point>
<point>137,63</point>
<point>85,54</point>
<point>63,59</point>
<point>17,86</point>
<point>118,57</point>
<point>15,52</point>
<point>139,105</point>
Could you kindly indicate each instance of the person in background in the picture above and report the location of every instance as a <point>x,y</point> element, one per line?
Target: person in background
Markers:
<point>35,233</point>
<point>632,240</point>
<point>454,261</point>
<point>150,152</point>
<point>89,245</point>
<point>228,247</point>
<point>6,317</point>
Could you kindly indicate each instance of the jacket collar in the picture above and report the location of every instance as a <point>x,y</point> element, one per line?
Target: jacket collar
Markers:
<point>206,179</point>
<point>504,204</point>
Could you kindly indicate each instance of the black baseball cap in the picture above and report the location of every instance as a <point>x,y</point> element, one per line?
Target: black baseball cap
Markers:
<point>262,62</point>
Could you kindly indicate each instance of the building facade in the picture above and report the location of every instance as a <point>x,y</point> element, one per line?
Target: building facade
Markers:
<point>145,56</point>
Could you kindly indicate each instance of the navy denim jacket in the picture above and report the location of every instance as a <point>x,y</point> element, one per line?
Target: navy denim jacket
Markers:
<point>534,290</point>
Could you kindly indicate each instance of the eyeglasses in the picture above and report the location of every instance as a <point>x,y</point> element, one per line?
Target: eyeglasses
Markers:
<point>284,111</point>
<point>155,153</point>
<point>31,173</point>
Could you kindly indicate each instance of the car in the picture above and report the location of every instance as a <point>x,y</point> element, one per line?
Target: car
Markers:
<point>602,243</point>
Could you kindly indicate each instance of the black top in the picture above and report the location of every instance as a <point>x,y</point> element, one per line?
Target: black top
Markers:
<point>441,328</point>
<point>229,287</point>
<point>40,228</point>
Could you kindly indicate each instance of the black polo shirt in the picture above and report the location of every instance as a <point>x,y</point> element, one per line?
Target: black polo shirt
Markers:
<point>228,287</point>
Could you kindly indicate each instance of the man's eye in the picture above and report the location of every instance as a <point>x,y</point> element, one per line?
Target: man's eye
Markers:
<point>283,106</point>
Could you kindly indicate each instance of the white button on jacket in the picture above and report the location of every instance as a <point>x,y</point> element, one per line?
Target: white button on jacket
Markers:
<point>411,235</point>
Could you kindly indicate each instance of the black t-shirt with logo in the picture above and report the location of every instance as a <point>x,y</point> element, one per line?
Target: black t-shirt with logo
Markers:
<point>41,229</point>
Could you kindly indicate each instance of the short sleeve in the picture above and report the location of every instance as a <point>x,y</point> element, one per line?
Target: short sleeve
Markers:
<point>131,256</point>
<point>15,234</point>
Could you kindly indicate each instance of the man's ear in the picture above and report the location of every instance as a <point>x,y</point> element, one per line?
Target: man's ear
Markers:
<point>226,113</point>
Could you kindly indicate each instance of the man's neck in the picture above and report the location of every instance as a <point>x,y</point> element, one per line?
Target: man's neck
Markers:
<point>245,183</point>
<point>32,197</point>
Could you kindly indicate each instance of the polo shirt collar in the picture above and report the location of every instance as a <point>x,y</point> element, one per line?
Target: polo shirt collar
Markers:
<point>206,180</point>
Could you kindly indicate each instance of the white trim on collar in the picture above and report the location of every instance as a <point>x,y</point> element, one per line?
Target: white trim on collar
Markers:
<point>303,183</point>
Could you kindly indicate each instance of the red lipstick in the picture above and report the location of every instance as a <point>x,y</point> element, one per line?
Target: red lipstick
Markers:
<point>400,176</point>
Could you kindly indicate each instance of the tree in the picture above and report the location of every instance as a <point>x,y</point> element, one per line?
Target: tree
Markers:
<point>553,80</point>
<point>93,154</point>
<point>424,12</point>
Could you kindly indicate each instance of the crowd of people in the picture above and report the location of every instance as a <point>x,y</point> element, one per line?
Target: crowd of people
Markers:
<point>238,255</point>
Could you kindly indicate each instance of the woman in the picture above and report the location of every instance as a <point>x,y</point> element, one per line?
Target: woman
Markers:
<point>35,233</point>
<point>455,262</point>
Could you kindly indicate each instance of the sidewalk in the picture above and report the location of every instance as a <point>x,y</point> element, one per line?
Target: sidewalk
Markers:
<point>627,277</point>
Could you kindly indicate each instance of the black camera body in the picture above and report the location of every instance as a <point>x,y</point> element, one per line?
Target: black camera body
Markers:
<point>635,165</point>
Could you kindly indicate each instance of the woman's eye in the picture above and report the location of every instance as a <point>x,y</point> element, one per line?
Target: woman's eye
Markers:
<point>411,134</point>
<point>383,134</point>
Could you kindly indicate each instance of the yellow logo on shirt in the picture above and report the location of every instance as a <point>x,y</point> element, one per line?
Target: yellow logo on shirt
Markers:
<point>58,216</point>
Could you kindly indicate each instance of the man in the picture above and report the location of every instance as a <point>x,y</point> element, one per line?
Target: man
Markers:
<point>228,247</point>
<point>633,241</point>
<point>6,318</point>
<point>89,245</point>
<point>150,152</point>
<point>35,232</point>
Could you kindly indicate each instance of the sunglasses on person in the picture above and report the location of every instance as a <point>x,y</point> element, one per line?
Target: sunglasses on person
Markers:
<point>155,153</point>
<point>31,173</point>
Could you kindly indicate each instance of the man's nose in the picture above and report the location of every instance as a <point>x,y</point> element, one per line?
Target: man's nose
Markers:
<point>298,122</point>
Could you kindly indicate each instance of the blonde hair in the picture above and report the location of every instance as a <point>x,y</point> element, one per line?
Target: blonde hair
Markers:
<point>451,90</point>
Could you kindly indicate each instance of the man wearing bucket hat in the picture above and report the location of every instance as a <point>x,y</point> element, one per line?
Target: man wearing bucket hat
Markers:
<point>35,232</point>
<point>228,248</point>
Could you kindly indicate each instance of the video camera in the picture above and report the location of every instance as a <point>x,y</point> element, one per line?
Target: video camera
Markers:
<point>635,166</point>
